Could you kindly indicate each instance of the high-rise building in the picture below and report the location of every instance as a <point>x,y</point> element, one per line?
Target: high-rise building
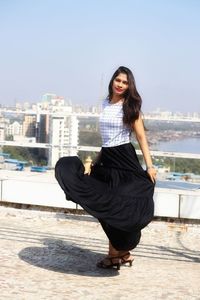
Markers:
<point>42,133</point>
<point>63,135</point>
<point>43,129</point>
<point>47,97</point>
<point>29,125</point>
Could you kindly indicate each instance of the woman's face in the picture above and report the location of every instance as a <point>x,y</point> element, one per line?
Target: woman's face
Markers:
<point>120,85</point>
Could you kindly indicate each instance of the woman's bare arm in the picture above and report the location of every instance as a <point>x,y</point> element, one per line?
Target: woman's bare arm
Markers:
<point>139,130</point>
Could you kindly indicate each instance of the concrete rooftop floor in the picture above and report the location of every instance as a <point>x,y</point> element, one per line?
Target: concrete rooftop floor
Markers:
<point>48,255</point>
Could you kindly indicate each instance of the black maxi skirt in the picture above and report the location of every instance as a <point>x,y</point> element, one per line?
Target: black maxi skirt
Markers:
<point>118,192</point>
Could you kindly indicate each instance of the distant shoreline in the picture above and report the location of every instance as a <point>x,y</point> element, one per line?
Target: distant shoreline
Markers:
<point>182,144</point>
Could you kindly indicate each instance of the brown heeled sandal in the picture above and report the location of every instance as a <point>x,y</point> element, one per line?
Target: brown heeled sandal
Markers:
<point>125,260</point>
<point>109,263</point>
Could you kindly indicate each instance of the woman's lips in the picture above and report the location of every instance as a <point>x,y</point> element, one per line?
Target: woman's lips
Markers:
<point>118,90</point>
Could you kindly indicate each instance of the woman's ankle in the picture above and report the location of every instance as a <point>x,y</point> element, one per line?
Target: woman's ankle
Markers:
<point>113,253</point>
<point>124,253</point>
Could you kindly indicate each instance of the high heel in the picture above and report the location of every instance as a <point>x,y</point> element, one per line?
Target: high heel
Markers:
<point>109,263</point>
<point>125,260</point>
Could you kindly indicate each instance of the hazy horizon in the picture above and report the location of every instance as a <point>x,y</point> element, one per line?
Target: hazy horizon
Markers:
<point>72,49</point>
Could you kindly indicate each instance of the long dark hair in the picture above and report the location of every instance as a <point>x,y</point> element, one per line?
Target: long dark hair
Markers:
<point>132,100</point>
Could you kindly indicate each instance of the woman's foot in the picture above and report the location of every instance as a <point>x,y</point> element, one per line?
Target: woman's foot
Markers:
<point>110,262</point>
<point>126,258</point>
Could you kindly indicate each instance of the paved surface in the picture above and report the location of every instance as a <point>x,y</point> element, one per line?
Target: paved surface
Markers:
<point>47,255</point>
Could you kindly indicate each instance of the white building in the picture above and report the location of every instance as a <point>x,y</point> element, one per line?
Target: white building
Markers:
<point>63,135</point>
<point>2,135</point>
<point>14,129</point>
<point>2,132</point>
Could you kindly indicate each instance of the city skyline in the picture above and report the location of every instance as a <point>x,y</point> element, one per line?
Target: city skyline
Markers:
<point>72,49</point>
<point>48,101</point>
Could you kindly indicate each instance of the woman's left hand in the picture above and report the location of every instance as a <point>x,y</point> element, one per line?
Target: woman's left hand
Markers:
<point>152,173</point>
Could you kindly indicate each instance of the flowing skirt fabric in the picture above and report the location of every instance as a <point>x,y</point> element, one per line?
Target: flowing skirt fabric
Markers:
<point>118,192</point>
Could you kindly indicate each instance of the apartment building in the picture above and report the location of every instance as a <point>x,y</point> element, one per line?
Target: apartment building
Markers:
<point>63,135</point>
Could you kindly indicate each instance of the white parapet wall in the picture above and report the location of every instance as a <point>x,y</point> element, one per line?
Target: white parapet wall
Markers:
<point>42,189</point>
<point>33,188</point>
<point>190,206</point>
<point>177,203</point>
<point>166,203</point>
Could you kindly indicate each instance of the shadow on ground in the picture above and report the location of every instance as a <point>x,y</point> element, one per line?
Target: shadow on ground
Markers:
<point>67,257</point>
<point>60,256</point>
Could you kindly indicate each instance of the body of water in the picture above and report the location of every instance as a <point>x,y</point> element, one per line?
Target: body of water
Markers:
<point>188,145</point>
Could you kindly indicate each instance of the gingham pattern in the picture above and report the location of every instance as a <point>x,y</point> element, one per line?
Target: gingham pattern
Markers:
<point>113,131</point>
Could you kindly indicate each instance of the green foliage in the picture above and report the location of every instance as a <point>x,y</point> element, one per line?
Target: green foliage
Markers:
<point>182,165</point>
<point>87,138</point>
<point>83,155</point>
<point>9,137</point>
<point>30,155</point>
<point>156,126</point>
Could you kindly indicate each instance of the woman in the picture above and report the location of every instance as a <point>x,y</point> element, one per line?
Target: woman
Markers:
<point>118,192</point>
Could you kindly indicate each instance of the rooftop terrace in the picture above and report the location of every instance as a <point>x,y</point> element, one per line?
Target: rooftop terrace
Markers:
<point>48,255</point>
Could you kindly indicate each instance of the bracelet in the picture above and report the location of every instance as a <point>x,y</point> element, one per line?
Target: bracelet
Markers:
<point>150,167</point>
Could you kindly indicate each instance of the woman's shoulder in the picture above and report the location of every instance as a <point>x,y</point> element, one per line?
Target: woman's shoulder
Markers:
<point>105,102</point>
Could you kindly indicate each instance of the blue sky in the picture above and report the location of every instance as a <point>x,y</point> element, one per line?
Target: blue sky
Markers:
<point>72,48</point>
